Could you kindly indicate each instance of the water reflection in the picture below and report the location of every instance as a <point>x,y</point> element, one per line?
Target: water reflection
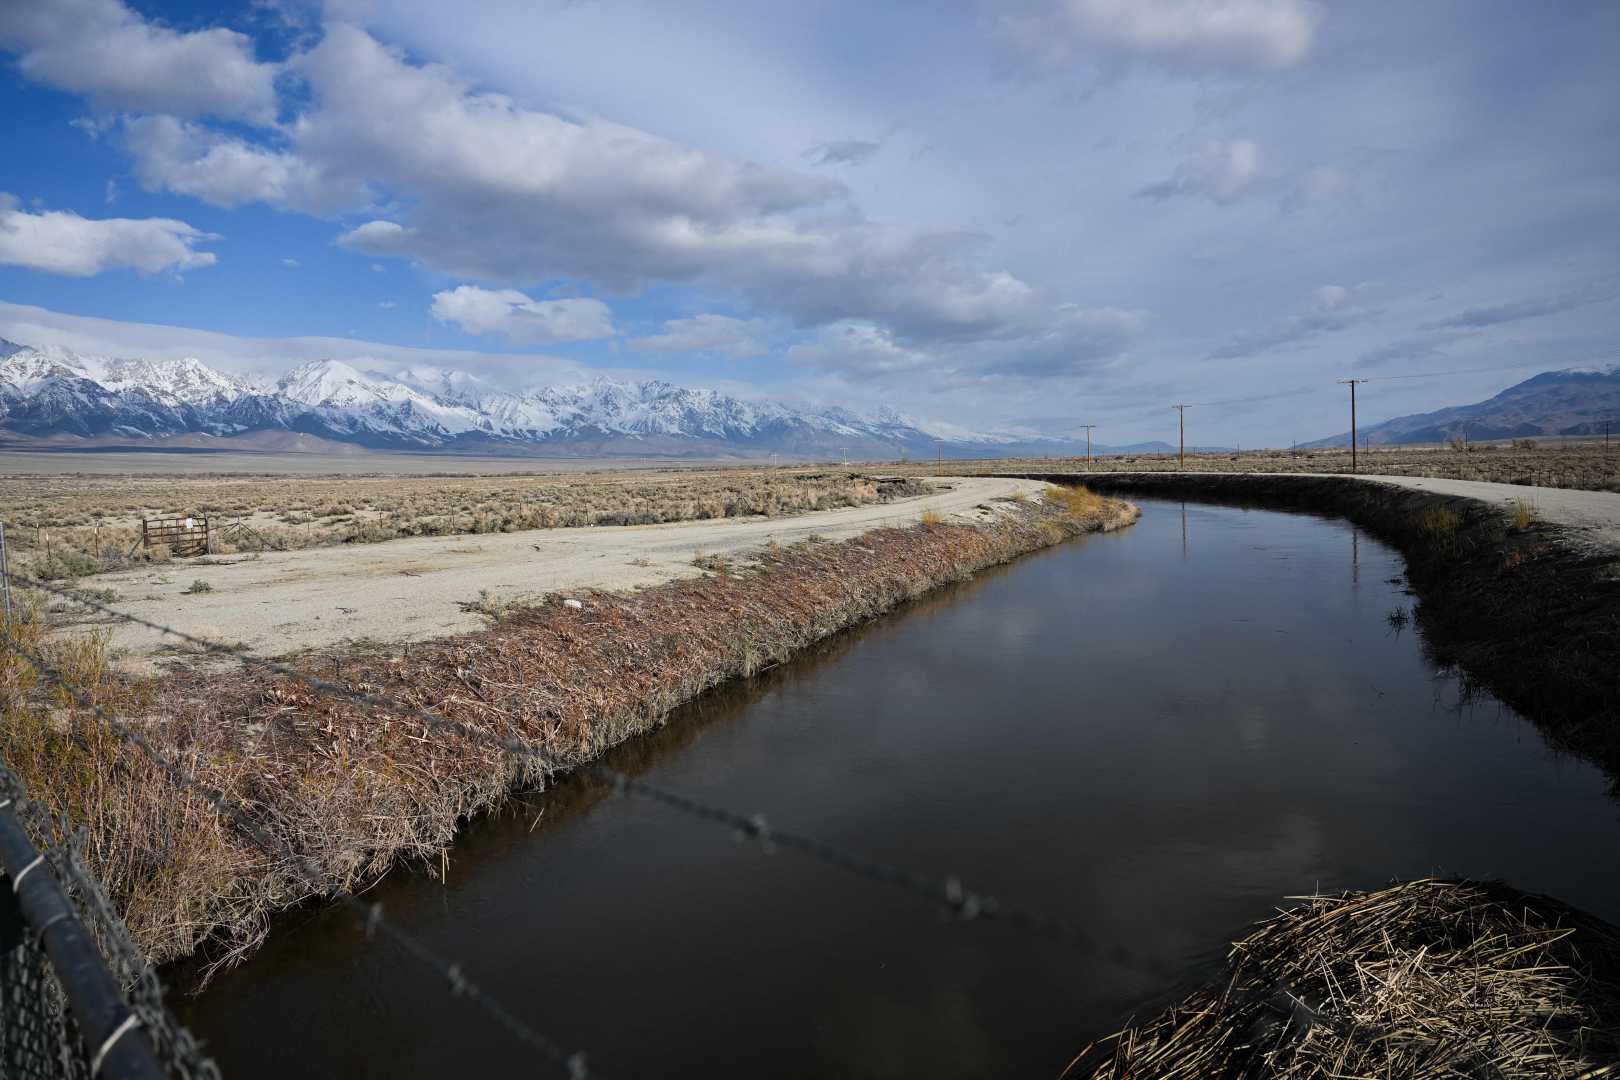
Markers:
<point>1153,750</point>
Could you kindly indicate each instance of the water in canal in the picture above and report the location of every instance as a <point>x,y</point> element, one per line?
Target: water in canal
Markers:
<point>1155,734</point>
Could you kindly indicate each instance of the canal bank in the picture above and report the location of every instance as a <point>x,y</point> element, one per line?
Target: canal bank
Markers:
<point>354,782</point>
<point>1528,609</point>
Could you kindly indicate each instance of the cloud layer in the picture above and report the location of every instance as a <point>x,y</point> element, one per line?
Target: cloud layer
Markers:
<point>520,319</point>
<point>1200,34</point>
<point>62,242</point>
<point>493,191</point>
<point>102,49</point>
<point>715,335</point>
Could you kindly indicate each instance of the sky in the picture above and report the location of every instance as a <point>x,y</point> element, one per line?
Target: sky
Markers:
<point>1019,215</point>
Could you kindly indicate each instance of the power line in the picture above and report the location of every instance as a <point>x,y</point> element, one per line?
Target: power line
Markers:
<point>371,914</point>
<point>947,891</point>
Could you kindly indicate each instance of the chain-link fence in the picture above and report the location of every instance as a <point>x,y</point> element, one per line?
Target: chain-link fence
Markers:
<point>67,964</point>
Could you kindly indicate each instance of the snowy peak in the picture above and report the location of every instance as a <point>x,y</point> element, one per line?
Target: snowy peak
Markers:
<point>51,390</point>
<point>328,382</point>
<point>188,381</point>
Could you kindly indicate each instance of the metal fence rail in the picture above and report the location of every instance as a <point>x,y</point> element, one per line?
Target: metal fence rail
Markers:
<point>67,1010</point>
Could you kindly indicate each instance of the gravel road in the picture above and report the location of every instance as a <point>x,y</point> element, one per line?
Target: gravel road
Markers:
<point>414,589</point>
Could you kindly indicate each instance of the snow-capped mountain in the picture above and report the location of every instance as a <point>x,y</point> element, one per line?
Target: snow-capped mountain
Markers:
<point>50,390</point>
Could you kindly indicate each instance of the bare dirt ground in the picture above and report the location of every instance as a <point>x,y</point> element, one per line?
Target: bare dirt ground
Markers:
<point>425,587</point>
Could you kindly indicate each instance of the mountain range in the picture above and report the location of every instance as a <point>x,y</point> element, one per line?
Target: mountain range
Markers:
<point>50,391</point>
<point>1575,401</point>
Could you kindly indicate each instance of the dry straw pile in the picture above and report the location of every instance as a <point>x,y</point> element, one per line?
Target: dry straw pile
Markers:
<point>1423,979</point>
<point>357,789</point>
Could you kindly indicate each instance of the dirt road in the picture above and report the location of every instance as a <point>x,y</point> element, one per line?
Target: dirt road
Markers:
<point>414,589</point>
<point>1592,516</point>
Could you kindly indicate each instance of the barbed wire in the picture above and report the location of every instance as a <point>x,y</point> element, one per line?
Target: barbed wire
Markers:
<point>948,891</point>
<point>371,914</point>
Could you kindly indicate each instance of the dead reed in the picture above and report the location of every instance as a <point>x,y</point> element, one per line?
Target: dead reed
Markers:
<point>357,790</point>
<point>1423,979</point>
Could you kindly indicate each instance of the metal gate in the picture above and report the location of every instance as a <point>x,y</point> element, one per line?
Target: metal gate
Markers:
<point>185,536</point>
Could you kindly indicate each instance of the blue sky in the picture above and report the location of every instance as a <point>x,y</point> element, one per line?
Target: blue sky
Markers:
<point>1012,213</point>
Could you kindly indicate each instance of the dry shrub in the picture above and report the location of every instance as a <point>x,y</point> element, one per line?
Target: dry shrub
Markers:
<point>164,853</point>
<point>1423,979</point>
<point>931,519</point>
<point>1439,524</point>
<point>1523,512</point>
<point>356,789</point>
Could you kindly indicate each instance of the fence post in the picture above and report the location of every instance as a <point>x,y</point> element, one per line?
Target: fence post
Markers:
<point>5,569</point>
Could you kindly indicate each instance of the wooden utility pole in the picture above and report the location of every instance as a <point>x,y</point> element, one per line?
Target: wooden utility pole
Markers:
<point>1088,428</point>
<point>1352,383</point>
<point>1182,461</point>
<point>939,456</point>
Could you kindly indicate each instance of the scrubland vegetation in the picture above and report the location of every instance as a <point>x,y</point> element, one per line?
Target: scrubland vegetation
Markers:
<point>357,788</point>
<point>1585,465</point>
<point>67,526</point>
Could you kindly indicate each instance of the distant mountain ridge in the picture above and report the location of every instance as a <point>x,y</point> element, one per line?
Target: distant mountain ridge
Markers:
<point>50,391</point>
<point>1575,401</point>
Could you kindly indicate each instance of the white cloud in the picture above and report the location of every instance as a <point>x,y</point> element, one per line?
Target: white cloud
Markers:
<point>1221,173</point>
<point>387,305</point>
<point>291,264</point>
<point>739,339</point>
<point>188,159</point>
<point>1331,298</point>
<point>62,242</point>
<point>1234,34</point>
<point>102,49</point>
<point>521,319</point>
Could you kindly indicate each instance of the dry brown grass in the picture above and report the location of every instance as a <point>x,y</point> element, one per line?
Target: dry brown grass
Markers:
<point>356,789</point>
<point>1586,465</point>
<point>65,526</point>
<point>1424,979</point>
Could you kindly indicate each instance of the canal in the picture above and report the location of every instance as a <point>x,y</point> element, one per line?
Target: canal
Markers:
<point>1155,735</point>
